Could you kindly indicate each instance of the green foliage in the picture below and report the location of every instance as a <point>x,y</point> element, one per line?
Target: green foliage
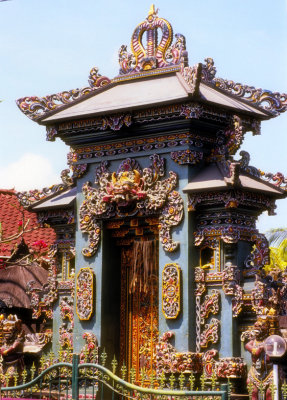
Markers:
<point>278,249</point>
<point>278,257</point>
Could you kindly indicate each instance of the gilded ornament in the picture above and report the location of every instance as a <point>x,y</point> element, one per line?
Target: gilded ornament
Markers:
<point>169,360</point>
<point>260,375</point>
<point>171,291</point>
<point>131,191</point>
<point>155,55</point>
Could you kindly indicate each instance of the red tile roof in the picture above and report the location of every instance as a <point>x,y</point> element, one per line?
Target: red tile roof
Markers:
<point>13,217</point>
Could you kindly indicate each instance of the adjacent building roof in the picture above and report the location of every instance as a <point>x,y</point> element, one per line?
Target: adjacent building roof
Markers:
<point>13,217</point>
<point>64,199</point>
<point>14,280</point>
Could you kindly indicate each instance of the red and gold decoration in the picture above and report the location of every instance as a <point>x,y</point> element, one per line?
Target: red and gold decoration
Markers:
<point>168,360</point>
<point>155,55</point>
<point>128,192</point>
<point>66,328</point>
<point>85,293</point>
<point>139,307</point>
<point>226,367</point>
<point>260,375</point>
<point>89,352</point>
<point>210,333</point>
<point>210,305</point>
<point>171,291</point>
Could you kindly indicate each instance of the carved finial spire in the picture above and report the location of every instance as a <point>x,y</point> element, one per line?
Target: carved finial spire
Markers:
<point>159,51</point>
<point>152,12</point>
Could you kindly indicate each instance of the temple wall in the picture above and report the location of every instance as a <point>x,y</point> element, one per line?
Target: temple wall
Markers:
<point>186,256</point>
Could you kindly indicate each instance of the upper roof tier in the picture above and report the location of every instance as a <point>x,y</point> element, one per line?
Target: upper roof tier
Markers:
<point>153,74</point>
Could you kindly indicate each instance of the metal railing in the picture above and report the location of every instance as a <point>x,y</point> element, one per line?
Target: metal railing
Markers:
<point>89,381</point>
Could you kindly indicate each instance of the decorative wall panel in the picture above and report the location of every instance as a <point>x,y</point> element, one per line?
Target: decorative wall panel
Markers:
<point>85,294</point>
<point>171,291</point>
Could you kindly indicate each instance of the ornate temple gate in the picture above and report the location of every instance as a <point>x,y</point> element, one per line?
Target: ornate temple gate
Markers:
<point>139,297</point>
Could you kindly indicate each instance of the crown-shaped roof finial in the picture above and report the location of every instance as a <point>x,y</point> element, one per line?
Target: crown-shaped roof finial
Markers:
<point>159,52</point>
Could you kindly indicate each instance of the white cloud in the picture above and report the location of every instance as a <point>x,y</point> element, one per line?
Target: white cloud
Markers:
<point>31,171</point>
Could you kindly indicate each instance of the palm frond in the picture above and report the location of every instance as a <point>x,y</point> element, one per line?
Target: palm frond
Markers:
<point>276,236</point>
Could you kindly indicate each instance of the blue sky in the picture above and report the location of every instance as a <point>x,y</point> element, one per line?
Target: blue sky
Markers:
<point>50,46</point>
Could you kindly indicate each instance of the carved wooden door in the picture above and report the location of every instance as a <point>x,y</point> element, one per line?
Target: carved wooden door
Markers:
<point>139,320</point>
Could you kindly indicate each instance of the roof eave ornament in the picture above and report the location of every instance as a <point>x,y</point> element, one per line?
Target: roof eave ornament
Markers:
<point>35,107</point>
<point>165,57</point>
<point>272,102</point>
<point>155,54</point>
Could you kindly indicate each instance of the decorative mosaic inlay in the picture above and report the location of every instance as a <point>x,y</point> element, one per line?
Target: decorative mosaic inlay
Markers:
<point>171,290</point>
<point>66,309</point>
<point>85,294</point>
<point>90,351</point>
<point>113,122</point>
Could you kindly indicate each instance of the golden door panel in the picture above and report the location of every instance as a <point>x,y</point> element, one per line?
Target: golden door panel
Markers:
<point>139,308</point>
